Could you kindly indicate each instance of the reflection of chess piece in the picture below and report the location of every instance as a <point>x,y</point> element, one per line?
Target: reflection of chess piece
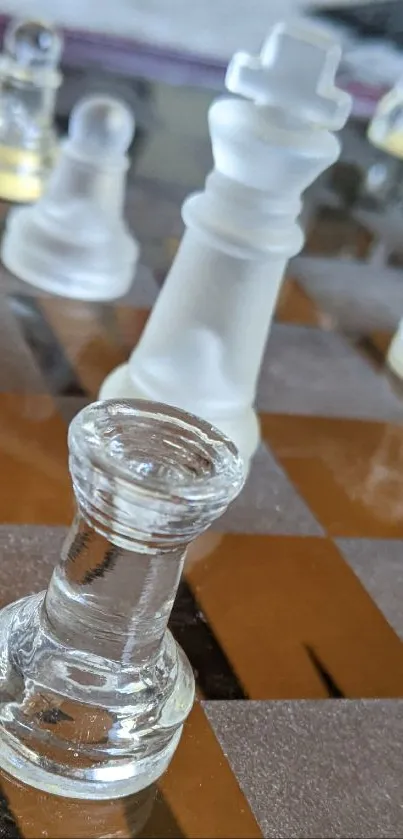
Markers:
<point>373,483</point>
<point>29,79</point>
<point>56,817</point>
<point>74,240</point>
<point>93,688</point>
<point>203,344</point>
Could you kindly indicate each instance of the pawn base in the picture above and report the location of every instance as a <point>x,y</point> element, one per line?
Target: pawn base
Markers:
<point>43,260</point>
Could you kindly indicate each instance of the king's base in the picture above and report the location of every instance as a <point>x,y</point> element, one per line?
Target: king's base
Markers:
<point>243,430</point>
<point>94,784</point>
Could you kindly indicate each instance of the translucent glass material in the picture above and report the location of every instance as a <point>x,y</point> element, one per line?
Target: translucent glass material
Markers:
<point>32,43</point>
<point>203,345</point>
<point>94,690</point>
<point>101,125</point>
<point>386,128</point>
<point>28,82</point>
<point>74,241</point>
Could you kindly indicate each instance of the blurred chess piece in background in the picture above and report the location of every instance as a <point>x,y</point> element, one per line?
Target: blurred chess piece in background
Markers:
<point>386,132</point>
<point>386,127</point>
<point>29,79</point>
<point>74,241</point>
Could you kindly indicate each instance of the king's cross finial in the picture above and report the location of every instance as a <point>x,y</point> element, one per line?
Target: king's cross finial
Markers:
<point>296,72</point>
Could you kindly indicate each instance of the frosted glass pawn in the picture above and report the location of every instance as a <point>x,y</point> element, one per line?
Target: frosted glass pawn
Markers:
<point>29,79</point>
<point>203,344</point>
<point>74,241</point>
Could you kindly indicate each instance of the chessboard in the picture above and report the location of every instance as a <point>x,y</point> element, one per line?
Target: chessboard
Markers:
<point>290,609</point>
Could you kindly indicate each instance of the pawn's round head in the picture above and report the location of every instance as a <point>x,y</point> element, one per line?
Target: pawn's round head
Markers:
<point>101,125</point>
<point>32,43</point>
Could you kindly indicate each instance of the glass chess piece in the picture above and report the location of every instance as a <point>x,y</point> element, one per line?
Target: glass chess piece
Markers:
<point>29,78</point>
<point>94,689</point>
<point>74,240</point>
<point>203,344</point>
<point>385,131</point>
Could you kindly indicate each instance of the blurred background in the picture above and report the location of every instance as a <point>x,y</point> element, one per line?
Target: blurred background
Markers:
<point>168,60</point>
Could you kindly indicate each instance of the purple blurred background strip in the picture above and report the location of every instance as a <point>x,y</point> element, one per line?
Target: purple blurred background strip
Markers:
<point>138,59</point>
<point>134,58</point>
